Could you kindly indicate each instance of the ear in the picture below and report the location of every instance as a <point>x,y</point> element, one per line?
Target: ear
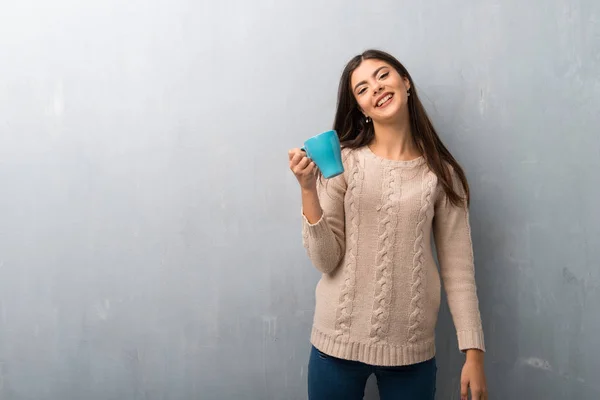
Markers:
<point>406,83</point>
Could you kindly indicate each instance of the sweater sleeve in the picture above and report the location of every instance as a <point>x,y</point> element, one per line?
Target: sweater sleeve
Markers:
<point>324,240</point>
<point>454,247</point>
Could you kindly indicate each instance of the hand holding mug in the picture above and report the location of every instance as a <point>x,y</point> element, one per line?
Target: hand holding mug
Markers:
<point>303,168</point>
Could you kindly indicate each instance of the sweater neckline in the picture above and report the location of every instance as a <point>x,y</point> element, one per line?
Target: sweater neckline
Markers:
<point>393,163</point>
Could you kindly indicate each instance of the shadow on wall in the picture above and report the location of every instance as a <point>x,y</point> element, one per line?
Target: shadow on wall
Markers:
<point>496,246</point>
<point>497,267</point>
<point>496,274</point>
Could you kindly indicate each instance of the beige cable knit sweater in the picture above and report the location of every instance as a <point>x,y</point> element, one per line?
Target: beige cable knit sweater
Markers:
<point>378,298</point>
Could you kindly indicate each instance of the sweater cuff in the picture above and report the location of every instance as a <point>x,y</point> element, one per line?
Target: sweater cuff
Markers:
<point>471,340</point>
<point>315,229</point>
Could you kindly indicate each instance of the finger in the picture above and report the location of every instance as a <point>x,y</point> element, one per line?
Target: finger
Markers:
<point>293,152</point>
<point>477,393</point>
<point>300,166</point>
<point>464,390</point>
<point>301,171</point>
<point>298,157</point>
<point>304,163</point>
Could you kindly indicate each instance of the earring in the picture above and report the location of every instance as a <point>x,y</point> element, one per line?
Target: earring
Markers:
<point>367,120</point>
<point>407,93</point>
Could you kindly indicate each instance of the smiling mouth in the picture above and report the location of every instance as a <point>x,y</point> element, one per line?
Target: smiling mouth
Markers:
<point>385,100</point>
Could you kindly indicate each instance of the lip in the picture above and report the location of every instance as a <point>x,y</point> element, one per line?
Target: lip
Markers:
<point>381,97</point>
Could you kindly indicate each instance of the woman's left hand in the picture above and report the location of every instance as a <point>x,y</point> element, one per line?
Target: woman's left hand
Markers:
<point>473,377</point>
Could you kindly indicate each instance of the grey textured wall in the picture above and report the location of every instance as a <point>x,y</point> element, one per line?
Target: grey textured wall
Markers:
<point>149,227</point>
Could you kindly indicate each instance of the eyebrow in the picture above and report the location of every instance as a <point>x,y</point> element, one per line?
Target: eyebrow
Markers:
<point>374,74</point>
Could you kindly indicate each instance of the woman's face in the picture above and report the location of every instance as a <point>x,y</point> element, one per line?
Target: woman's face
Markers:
<point>381,93</point>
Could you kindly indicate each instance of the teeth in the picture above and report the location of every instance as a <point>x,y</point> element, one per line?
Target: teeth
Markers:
<point>386,98</point>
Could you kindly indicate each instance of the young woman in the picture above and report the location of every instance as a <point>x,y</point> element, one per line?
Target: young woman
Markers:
<point>368,232</point>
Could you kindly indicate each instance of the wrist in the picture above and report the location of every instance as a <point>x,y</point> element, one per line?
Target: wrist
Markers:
<point>310,190</point>
<point>474,355</point>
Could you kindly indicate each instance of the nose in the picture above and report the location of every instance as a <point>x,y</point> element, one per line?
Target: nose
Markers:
<point>378,89</point>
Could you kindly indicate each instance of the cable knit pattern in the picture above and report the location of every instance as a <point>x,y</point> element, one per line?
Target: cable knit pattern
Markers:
<point>417,288</point>
<point>383,276</point>
<point>348,290</point>
<point>379,291</point>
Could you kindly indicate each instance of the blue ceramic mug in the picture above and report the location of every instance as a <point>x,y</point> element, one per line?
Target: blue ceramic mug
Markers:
<point>325,150</point>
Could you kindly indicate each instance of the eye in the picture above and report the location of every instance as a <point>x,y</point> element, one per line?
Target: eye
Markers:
<point>361,90</point>
<point>384,75</point>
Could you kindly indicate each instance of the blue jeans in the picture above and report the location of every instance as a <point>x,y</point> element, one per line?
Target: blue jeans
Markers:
<point>331,378</point>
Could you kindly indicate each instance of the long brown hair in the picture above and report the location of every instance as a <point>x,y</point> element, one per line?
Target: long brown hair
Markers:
<point>355,132</point>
